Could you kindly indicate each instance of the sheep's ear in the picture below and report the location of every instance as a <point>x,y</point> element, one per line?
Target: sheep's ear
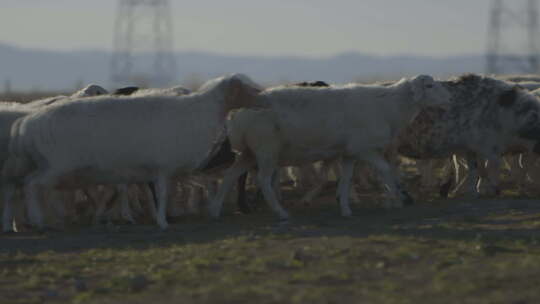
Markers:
<point>508,98</point>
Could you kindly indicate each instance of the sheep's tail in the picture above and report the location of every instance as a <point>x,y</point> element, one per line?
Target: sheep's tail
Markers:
<point>18,163</point>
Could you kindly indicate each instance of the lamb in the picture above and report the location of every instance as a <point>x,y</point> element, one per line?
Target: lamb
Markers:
<point>486,118</point>
<point>305,124</point>
<point>55,147</point>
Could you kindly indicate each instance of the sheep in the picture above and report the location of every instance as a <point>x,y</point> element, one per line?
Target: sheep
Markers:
<point>519,158</point>
<point>101,140</point>
<point>9,113</point>
<point>224,158</point>
<point>121,189</point>
<point>486,118</point>
<point>305,124</point>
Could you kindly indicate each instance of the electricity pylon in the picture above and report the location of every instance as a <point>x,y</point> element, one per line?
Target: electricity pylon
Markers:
<point>143,33</point>
<point>513,37</point>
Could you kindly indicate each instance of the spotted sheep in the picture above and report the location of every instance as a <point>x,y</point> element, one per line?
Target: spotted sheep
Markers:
<point>487,118</point>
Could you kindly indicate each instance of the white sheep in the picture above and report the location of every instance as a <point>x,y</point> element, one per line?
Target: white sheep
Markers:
<point>305,124</point>
<point>115,140</point>
<point>136,190</point>
<point>9,113</point>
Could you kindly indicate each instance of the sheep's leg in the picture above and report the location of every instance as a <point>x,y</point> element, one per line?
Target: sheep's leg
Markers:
<point>150,199</point>
<point>425,169</point>
<point>526,166</point>
<point>449,171</point>
<point>461,166</point>
<point>265,182</point>
<point>472,178</point>
<point>8,190</point>
<point>100,201</point>
<point>35,186</point>
<point>276,184</point>
<point>175,206</point>
<point>391,181</point>
<point>513,163</point>
<point>242,201</point>
<point>135,201</point>
<point>457,169</point>
<point>239,167</point>
<point>347,170</point>
<point>122,190</point>
<point>493,173</point>
<point>322,179</point>
<point>194,199</point>
<point>160,195</point>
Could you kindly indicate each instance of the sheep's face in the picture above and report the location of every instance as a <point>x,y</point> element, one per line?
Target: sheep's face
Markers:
<point>240,93</point>
<point>427,91</point>
<point>521,112</point>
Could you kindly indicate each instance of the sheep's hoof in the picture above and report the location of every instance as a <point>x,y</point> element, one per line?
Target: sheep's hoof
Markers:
<point>346,213</point>
<point>128,219</point>
<point>407,199</point>
<point>163,226</point>
<point>214,212</point>
<point>282,226</point>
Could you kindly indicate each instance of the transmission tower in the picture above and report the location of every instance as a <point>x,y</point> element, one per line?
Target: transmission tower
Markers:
<point>143,43</point>
<point>513,37</point>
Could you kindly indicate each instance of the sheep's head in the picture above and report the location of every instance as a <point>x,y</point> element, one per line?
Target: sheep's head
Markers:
<point>91,90</point>
<point>126,90</point>
<point>240,92</point>
<point>317,83</point>
<point>520,111</point>
<point>427,91</point>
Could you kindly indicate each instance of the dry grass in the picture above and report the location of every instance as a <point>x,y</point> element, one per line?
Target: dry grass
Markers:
<point>440,252</point>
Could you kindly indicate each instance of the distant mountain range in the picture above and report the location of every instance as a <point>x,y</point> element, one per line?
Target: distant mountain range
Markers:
<point>34,69</point>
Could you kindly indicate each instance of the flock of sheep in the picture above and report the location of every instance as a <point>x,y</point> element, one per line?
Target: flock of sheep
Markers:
<point>136,150</point>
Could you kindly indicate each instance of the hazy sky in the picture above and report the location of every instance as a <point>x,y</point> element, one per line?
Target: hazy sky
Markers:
<point>276,27</point>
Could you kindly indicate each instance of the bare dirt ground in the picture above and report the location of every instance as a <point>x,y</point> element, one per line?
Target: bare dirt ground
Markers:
<point>444,251</point>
